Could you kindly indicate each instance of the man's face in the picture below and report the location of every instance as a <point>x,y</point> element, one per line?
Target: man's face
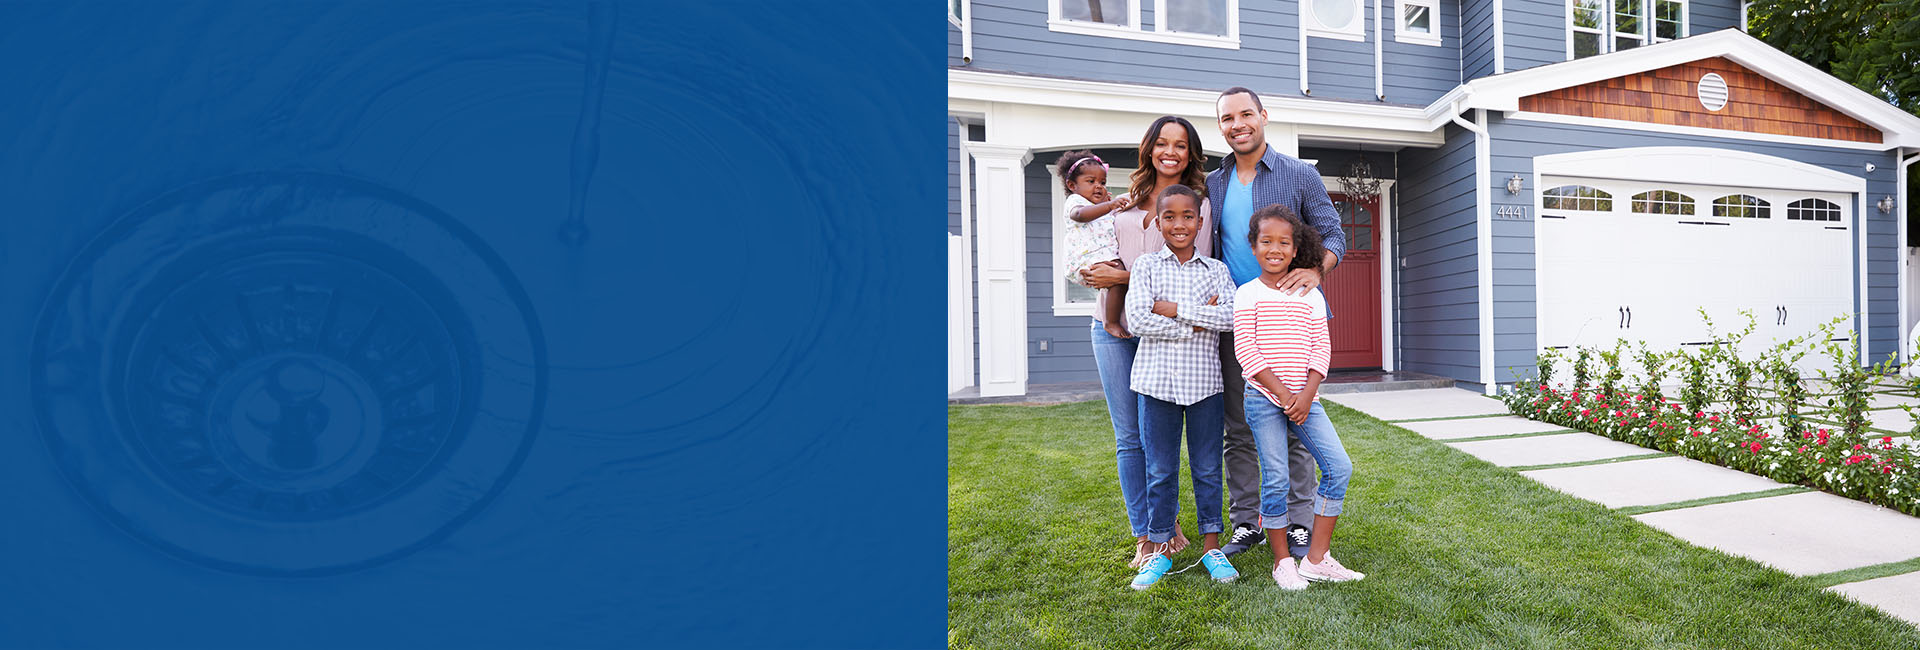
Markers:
<point>1243,124</point>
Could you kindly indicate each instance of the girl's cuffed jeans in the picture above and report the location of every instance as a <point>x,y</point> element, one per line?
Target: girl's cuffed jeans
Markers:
<point>1270,430</point>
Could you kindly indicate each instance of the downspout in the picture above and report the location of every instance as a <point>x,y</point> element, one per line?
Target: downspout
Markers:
<point>1483,234</point>
<point>1379,73</point>
<point>1906,266</point>
<point>1499,37</point>
<point>966,32</point>
<point>1303,56</point>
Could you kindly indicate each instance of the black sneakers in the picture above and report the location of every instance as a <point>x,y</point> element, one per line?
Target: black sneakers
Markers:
<point>1245,537</point>
<point>1297,539</point>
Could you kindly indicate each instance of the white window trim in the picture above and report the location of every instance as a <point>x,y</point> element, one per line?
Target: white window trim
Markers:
<point>953,19</point>
<point>1647,7</point>
<point>1058,210</point>
<point>1312,26</point>
<point>1159,34</point>
<point>1653,27</point>
<point>1400,33</point>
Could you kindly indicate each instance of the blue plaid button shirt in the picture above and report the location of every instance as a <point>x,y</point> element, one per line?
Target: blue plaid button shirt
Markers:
<point>1175,363</point>
<point>1285,180</point>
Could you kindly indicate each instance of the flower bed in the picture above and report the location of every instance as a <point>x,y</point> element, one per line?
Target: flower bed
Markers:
<point>1768,437</point>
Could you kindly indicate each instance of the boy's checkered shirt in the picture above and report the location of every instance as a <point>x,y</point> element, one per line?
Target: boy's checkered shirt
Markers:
<point>1175,363</point>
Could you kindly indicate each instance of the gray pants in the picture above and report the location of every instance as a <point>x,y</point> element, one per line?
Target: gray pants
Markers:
<point>1242,460</point>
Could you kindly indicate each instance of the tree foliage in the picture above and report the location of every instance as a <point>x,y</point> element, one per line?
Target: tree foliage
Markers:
<point>1872,44</point>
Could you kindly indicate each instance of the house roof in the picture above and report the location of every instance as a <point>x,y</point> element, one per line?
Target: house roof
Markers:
<point>1502,92</point>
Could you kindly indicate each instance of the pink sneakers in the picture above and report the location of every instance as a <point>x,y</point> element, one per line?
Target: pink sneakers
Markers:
<point>1328,570</point>
<point>1285,576</point>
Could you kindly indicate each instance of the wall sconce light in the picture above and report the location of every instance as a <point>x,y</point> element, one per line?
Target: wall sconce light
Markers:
<point>1885,204</point>
<point>1513,184</point>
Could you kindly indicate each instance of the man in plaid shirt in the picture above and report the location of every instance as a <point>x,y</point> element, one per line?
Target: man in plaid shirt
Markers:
<point>1178,304</point>
<point>1256,176</point>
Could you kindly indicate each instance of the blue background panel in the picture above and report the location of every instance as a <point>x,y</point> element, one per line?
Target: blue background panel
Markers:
<point>469,324</point>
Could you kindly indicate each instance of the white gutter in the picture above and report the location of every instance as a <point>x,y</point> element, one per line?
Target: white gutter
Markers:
<point>1379,73</point>
<point>1483,235</point>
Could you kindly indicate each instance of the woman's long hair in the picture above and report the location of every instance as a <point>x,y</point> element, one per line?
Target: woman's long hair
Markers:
<point>1143,177</point>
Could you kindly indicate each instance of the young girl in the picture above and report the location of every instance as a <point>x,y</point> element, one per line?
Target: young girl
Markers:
<point>1090,236</point>
<point>1281,342</point>
<point>1178,308</point>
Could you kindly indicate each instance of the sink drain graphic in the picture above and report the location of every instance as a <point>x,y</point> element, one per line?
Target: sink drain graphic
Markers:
<point>288,374</point>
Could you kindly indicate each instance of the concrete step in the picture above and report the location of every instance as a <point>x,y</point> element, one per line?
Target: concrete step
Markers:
<point>1373,381</point>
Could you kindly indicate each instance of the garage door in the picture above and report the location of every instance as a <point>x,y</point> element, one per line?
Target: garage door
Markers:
<point>1639,261</point>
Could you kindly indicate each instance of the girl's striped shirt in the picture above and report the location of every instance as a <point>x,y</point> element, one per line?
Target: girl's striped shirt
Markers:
<point>1282,332</point>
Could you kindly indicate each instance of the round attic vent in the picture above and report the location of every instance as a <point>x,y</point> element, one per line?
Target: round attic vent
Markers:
<point>1713,92</point>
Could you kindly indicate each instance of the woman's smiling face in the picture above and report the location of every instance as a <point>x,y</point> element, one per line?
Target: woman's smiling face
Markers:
<point>1170,150</point>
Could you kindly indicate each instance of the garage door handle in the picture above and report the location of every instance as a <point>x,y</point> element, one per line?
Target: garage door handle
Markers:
<point>1618,324</point>
<point>1629,317</point>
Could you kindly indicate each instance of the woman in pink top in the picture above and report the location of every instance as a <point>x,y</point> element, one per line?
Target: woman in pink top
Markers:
<point>1169,155</point>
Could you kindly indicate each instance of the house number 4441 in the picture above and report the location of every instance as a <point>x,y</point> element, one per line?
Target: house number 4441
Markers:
<point>1510,212</point>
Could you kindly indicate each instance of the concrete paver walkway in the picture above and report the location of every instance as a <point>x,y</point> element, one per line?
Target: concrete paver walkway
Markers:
<point>1546,450</point>
<point>1478,427</point>
<point>1650,482</point>
<point>1806,534</point>
<point>1416,404</point>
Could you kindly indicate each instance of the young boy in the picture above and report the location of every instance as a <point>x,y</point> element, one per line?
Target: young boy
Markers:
<point>1178,304</point>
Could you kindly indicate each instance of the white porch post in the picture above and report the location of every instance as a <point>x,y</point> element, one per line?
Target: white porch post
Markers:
<point>999,196</point>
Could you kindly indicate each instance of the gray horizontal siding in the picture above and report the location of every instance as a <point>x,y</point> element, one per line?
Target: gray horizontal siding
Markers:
<point>1712,16</point>
<point>1435,290</point>
<point>1013,36</point>
<point>1516,143</point>
<point>1476,38</point>
<point>1536,33</point>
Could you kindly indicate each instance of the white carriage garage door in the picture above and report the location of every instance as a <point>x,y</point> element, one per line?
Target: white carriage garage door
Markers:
<point>1638,260</point>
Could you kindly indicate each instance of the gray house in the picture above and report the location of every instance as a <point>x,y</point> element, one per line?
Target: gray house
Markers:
<point>1512,175</point>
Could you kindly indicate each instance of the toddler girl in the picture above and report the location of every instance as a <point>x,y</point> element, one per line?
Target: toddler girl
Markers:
<point>1090,236</point>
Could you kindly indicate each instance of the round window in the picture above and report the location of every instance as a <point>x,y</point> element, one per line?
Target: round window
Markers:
<point>1335,14</point>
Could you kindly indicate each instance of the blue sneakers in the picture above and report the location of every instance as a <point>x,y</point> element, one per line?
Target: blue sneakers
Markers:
<point>1218,566</point>
<point>1151,571</point>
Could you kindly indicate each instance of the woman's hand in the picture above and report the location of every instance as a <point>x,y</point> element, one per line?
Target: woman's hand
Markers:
<point>1104,276</point>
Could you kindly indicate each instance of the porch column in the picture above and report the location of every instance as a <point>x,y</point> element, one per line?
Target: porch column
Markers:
<point>999,199</point>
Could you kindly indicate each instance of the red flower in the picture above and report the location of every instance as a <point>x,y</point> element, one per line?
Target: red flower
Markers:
<point>1819,460</point>
<point>1803,449</point>
<point>1856,447</point>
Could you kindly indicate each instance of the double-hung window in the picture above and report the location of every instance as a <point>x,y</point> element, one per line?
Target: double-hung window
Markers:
<point>1602,26</point>
<point>1209,23</point>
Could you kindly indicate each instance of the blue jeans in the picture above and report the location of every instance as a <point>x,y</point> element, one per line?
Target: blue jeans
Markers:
<point>1160,430</point>
<point>1270,430</point>
<point>1114,356</point>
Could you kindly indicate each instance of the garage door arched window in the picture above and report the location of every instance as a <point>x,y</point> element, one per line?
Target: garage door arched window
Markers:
<point>1742,206</point>
<point>1813,210</point>
<point>1662,202</point>
<point>1576,197</point>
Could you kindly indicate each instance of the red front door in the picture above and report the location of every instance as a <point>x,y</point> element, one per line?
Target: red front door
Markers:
<point>1353,291</point>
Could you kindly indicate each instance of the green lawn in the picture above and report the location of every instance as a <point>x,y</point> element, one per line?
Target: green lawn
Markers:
<point>1458,552</point>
